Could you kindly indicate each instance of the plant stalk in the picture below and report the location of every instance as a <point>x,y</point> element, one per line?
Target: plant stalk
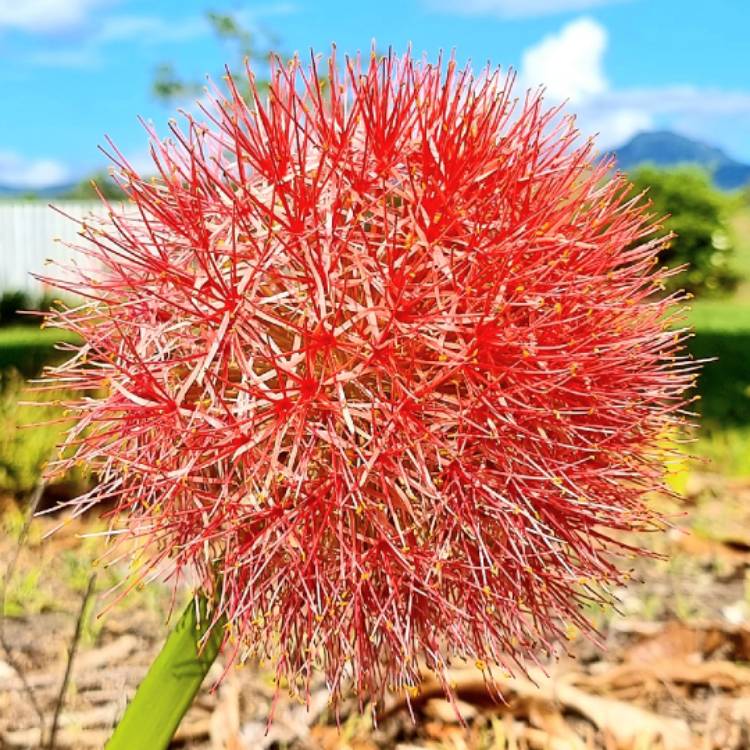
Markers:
<point>172,681</point>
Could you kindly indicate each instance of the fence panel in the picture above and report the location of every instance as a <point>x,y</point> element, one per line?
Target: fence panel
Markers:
<point>28,234</point>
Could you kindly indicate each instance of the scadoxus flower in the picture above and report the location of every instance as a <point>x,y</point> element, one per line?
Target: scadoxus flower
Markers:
<point>380,355</point>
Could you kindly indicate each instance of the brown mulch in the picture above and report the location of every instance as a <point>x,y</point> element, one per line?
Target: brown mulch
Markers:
<point>675,674</point>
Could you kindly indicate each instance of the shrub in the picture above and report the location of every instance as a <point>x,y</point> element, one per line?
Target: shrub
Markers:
<point>11,303</point>
<point>697,216</point>
<point>16,304</point>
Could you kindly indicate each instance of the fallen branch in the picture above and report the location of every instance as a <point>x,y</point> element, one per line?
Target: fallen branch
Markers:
<point>71,658</point>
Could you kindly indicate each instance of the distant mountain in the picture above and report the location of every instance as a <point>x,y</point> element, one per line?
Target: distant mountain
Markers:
<point>661,147</point>
<point>55,191</point>
<point>666,149</point>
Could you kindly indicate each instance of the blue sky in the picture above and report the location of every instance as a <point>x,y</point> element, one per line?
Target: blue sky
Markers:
<point>72,71</point>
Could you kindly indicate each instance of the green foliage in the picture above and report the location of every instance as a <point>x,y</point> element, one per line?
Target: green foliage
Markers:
<point>740,226</point>
<point>726,450</point>
<point>15,304</point>
<point>719,316</point>
<point>28,431</point>
<point>25,596</point>
<point>722,334</point>
<point>244,44</point>
<point>85,189</point>
<point>724,384</point>
<point>170,686</point>
<point>168,85</point>
<point>28,349</point>
<point>11,303</point>
<point>697,215</point>
<point>32,424</point>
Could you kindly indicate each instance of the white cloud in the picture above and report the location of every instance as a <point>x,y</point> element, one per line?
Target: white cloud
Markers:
<point>46,15</point>
<point>144,30</point>
<point>149,29</point>
<point>616,126</point>
<point>621,113</point>
<point>49,16</point>
<point>570,66</point>
<point>17,171</point>
<point>680,100</point>
<point>517,8</point>
<point>570,63</point>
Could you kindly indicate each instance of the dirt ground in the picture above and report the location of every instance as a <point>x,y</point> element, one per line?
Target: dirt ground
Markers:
<point>674,673</point>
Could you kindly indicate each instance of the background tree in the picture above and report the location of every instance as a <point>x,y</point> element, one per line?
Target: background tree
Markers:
<point>246,44</point>
<point>697,214</point>
<point>85,190</point>
<point>170,87</point>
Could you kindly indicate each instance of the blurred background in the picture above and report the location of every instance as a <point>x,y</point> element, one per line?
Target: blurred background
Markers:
<point>664,84</point>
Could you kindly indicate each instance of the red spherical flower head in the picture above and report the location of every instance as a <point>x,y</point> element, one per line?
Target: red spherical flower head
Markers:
<point>380,354</point>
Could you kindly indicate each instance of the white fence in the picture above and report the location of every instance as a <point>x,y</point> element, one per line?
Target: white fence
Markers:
<point>28,230</point>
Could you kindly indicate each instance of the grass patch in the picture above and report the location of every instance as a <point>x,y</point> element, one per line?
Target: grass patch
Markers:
<point>726,451</point>
<point>33,589</point>
<point>33,336</point>
<point>720,316</point>
<point>29,431</point>
<point>739,225</point>
<point>724,384</point>
<point>31,426</point>
<point>28,349</point>
<point>722,331</point>
<point>722,334</point>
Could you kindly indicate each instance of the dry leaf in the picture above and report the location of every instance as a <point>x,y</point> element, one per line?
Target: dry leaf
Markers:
<point>545,716</point>
<point>678,639</point>
<point>675,639</point>
<point>445,711</point>
<point>625,723</point>
<point>225,719</point>
<point>717,674</point>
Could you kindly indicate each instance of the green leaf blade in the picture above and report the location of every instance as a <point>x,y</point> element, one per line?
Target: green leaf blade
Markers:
<point>168,690</point>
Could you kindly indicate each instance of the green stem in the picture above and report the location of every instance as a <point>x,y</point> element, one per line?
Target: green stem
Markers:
<point>173,680</point>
